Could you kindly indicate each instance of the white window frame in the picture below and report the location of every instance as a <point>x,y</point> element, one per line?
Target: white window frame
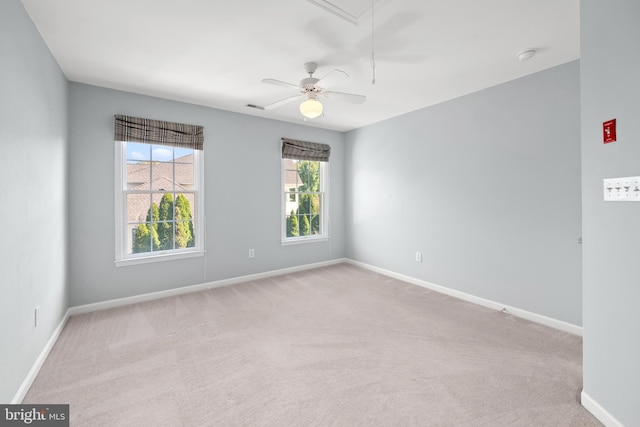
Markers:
<point>121,256</point>
<point>324,208</point>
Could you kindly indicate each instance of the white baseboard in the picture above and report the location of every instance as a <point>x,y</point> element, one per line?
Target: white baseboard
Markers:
<point>598,411</point>
<point>533,317</point>
<point>33,373</point>
<point>87,308</point>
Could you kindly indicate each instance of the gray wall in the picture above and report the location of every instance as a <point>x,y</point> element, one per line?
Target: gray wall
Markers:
<point>610,88</point>
<point>33,195</point>
<point>242,196</point>
<point>486,186</point>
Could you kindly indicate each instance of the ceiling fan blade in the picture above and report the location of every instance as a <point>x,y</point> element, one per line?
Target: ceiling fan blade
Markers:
<point>348,97</point>
<point>282,102</point>
<point>333,77</point>
<point>280,83</point>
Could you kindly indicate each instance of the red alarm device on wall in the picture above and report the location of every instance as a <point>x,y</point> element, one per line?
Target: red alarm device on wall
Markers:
<point>609,131</point>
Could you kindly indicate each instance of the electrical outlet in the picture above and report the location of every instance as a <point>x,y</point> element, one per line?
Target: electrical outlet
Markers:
<point>418,256</point>
<point>251,253</point>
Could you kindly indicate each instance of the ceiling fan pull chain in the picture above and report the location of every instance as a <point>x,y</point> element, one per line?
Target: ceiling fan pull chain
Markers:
<point>373,58</point>
<point>373,69</point>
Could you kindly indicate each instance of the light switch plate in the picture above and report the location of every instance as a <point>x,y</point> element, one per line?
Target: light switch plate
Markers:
<point>625,189</point>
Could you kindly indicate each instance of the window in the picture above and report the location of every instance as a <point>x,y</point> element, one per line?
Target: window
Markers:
<point>158,202</point>
<point>305,201</point>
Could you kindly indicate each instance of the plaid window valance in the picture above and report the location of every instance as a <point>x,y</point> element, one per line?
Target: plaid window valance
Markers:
<point>304,150</point>
<point>136,129</point>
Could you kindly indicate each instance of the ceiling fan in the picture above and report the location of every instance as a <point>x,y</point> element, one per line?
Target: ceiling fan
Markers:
<point>310,89</point>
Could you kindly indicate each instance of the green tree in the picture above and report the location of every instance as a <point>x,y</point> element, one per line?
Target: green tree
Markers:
<point>309,173</point>
<point>305,227</point>
<point>158,231</point>
<point>292,225</point>
<point>165,222</point>
<point>184,224</point>
<point>147,233</point>
<point>144,238</point>
<point>153,214</point>
<point>315,224</point>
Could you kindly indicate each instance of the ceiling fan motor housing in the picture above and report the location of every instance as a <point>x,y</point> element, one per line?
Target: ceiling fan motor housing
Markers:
<point>309,84</point>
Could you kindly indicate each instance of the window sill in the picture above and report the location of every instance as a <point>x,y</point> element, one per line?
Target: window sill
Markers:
<point>300,241</point>
<point>158,258</point>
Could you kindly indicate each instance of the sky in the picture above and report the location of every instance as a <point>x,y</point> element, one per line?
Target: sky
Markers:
<point>159,153</point>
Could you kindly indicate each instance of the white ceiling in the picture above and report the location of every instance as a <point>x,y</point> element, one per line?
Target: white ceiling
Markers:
<point>216,53</point>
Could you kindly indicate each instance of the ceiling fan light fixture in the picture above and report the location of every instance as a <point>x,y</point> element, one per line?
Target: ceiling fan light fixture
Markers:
<point>311,108</point>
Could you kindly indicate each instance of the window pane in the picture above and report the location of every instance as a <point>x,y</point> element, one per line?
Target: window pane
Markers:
<point>304,203</point>
<point>292,226</point>
<point>156,198</point>
<point>184,234</point>
<point>314,176</point>
<point>303,172</point>
<point>297,175</point>
<point>161,153</point>
<point>316,208</point>
<point>185,206</point>
<point>184,175</point>
<point>165,205</point>
<point>139,238</point>
<point>137,207</point>
<point>305,224</point>
<point>316,224</point>
<point>183,155</point>
<point>165,235</point>
<point>192,227</point>
<point>310,175</point>
<point>291,180</point>
<point>138,152</point>
<point>165,219</point>
<point>138,161</point>
<point>184,215</point>
<point>162,176</point>
<point>290,175</point>
<point>138,175</point>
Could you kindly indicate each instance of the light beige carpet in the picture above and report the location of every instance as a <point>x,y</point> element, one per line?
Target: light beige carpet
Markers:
<point>334,346</point>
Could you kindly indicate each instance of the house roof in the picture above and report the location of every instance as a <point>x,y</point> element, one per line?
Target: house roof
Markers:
<point>141,175</point>
<point>291,176</point>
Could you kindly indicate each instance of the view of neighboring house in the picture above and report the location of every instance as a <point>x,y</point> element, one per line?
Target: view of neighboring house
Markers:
<point>292,182</point>
<point>159,177</point>
<point>147,182</point>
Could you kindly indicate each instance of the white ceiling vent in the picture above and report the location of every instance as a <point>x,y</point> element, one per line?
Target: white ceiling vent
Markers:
<point>349,10</point>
